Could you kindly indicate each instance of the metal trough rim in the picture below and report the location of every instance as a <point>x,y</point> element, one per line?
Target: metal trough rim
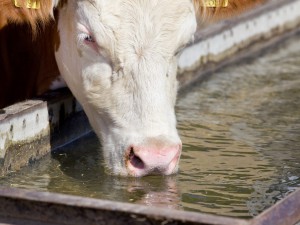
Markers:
<point>12,198</point>
<point>44,207</point>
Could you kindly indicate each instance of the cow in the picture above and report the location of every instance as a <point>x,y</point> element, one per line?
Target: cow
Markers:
<point>118,58</point>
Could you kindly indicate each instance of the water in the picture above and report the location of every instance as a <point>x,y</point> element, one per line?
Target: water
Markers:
<point>241,152</point>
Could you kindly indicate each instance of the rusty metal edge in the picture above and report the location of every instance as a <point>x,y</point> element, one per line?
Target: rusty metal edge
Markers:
<point>284,212</point>
<point>52,208</point>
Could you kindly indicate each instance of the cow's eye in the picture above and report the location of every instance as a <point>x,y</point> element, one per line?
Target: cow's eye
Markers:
<point>89,38</point>
<point>86,38</point>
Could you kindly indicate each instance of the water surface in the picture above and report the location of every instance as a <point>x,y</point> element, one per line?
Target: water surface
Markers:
<point>241,151</point>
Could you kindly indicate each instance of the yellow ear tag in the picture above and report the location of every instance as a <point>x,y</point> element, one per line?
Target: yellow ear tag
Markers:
<point>30,4</point>
<point>216,3</point>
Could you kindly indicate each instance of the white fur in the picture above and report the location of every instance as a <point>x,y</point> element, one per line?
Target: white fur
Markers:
<point>125,78</point>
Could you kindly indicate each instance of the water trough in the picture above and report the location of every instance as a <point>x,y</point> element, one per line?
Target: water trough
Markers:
<point>31,129</point>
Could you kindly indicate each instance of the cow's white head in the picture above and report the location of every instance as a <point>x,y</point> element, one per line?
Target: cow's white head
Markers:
<point>119,59</point>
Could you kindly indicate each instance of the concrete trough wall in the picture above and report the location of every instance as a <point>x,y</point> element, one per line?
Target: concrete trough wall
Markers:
<point>31,129</point>
<point>232,40</point>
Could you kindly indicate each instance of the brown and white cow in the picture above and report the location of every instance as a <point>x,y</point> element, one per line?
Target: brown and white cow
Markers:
<point>119,58</point>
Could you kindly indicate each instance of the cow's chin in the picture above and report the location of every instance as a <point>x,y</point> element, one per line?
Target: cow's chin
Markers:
<point>136,156</point>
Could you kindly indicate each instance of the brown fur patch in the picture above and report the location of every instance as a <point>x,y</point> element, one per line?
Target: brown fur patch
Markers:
<point>27,66</point>
<point>9,13</point>
<point>27,41</point>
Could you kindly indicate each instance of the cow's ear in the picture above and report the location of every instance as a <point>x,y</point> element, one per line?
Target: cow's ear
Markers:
<point>26,11</point>
<point>212,10</point>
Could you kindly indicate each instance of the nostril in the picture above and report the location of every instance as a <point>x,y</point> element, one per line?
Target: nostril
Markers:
<point>135,160</point>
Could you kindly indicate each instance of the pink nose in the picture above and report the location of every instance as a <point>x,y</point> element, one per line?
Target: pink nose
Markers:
<point>153,157</point>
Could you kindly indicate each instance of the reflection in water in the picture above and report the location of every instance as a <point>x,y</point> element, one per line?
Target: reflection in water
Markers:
<point>77,169</point>
<point>241,153</point>
<point>243,127</point>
